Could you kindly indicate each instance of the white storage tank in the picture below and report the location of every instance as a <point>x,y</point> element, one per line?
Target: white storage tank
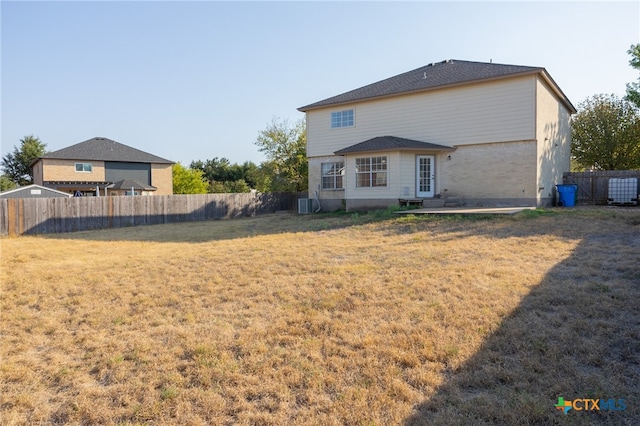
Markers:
<point>623,191</point>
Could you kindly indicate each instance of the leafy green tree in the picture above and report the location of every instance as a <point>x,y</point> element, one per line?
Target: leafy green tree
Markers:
<point>216,187</point>
<point>606,134</point>
<point>249,174</point>
<point>216,169</point>
<point>633,89</point>
<point>228,187</point>
<point>239,186</point>
<point>226,177</point>
<point>285,148</point>
<point>16,165</point>
<point>188,181</point>
<point>6,183</point>
<point>260,177</point>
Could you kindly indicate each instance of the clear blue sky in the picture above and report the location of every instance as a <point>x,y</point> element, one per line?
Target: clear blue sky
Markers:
<point>197,80</point>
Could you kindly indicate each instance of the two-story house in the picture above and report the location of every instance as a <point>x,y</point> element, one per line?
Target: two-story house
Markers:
<point>478,133</point>
<point>100,166</point>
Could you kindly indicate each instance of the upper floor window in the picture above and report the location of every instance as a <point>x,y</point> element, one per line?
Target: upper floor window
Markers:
<point>332,175</point>
<point>83,167</point>
<point>342,119</point>
<point>371,172</point>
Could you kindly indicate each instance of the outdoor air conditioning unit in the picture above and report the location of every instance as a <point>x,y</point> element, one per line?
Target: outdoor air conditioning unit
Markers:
<point>305,205</point>
<point>623,191</point>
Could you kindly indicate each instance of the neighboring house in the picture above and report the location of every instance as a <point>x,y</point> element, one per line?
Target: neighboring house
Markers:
<point>469,133</point>
<point>100,166</point>
<point>33,191</point>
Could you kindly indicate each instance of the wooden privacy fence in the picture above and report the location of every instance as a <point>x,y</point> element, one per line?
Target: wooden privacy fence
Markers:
<point>20,216</point>
<point>593,187</point>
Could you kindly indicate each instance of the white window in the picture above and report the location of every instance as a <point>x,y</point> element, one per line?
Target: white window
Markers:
<point>83,167</point>
<point>332,175</point>
<point>342,119</point>
<point>371,172</point>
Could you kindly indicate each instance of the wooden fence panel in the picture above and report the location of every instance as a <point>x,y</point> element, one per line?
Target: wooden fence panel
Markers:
<point>4,221</point>
<point>593,187</point>
<point>20,216</point>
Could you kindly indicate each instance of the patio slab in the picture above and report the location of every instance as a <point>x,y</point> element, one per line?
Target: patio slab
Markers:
<point>468,210</point>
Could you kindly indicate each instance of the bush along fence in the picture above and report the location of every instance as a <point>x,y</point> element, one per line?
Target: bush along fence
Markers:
<point>29,216</point>
<point>593,187</point>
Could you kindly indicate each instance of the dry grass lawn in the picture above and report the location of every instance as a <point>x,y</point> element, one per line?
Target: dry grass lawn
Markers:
<point>325,319</point>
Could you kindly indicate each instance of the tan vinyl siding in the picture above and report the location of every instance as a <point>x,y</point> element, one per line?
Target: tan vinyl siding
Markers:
<point>393,177</point>
<point>407,173</point>
<point>494,111</point>
<point>162,178</point>
<point>65,170</point>
<point>553,134</point>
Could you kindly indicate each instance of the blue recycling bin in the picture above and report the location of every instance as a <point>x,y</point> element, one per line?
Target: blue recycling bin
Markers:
<point>567,195</point>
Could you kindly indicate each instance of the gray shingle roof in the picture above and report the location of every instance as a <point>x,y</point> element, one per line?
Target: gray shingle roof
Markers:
<point>436,75</point>
<point>386,143</point>
<point>103,149</point>
<point>127,184</point>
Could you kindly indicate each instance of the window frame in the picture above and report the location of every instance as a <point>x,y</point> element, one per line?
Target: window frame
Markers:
<point>343,118</point>
<point>335,173</point>
<point>83,167</point>
<point>371,170</point>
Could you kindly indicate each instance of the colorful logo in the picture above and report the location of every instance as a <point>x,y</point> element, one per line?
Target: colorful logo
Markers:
<point>588,404</point>
<point>563,405</point>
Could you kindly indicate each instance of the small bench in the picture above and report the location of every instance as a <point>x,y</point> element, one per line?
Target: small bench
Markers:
<point>410,201</point>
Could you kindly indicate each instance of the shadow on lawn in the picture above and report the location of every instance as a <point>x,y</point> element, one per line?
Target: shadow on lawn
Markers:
<point>226,229</point>
<point>576,335</point>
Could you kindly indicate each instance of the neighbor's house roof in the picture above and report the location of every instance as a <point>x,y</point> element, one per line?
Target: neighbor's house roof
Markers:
<point>127,184</point>
<point>386,143</point>
<point>32,191</point>
<point>438,75</point>
<point>103,149</point>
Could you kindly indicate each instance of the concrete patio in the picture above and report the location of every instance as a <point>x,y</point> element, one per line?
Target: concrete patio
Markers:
<point>467,210</point>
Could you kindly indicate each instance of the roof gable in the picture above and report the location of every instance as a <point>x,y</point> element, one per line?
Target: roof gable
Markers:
<point>435,76</point>
<point>392,143</point>
<point>103,149</point>
<point>53,192</point>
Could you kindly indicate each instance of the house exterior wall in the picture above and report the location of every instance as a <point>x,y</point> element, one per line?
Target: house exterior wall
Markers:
<point>511,138</point>
<point>491,174</point>
<point>64,170</point>
<point>553,133</point>
<point>496,111</point>
<point>408,172</point>
<point>37,173</point>
<point>383,192</point>
<point>115,171</point>
<point>162,178</point>
<point>330,199</point>
<point>401,180</point>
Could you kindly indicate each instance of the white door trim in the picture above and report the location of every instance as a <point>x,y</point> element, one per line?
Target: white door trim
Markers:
<point>425,176</point>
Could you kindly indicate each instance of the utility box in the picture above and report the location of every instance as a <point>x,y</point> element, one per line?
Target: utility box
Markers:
<point>305,205</point>
<point>623,191</point>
